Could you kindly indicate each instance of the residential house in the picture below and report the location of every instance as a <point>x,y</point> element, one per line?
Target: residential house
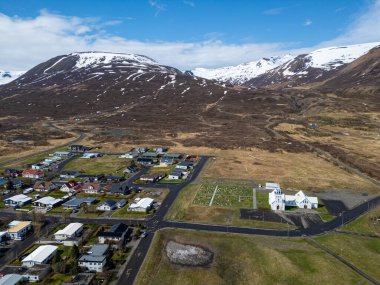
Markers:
<point>152,178</point>
<point>175,156</point>
<point>18,200</point>
<point>176,174</point>
<point>117,233</point>
<point>37,273</point>
<point>62,153</point>
<point>12,279</point>
<point>16,183</point>
<point>47,202</point>
<point>92,188</point>
<point>146,161</point>
<point>160,149</point>
<point>107,205</point>
<point>167,161</point>
<point>90,178</point>
<point>90,155</point>
<point>11,172</point>
<point>151,155</point>
<point>141,149</point>
<point>76,203</point>
<point>27,190</point>
<point>95,259</point>
<point>70,187</point>
<point>79,148</point>
<point>69,174</point>
<point>185,165</point>
<point>34,174</point>
<point>130,169</point>
<point>121,203</point>
<point>119,189</point>
<point>70,231</point>
<point>130,155</point>
<point>141,205</point>
<point>18,229</point>
<point>42,255</point>
<point>38,166</point>
<point>113,178</point>
<point>44,186</point>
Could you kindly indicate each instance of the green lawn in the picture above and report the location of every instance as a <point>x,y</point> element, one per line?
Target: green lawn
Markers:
<point>240,259</point>
<point>109,164</point>
<point>363,252</point>
<point>368,223</point>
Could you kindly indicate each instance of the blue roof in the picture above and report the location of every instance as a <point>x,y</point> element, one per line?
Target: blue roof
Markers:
<point>76,202</point>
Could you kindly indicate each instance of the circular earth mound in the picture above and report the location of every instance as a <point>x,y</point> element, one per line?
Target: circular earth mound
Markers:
<point>189,255</point>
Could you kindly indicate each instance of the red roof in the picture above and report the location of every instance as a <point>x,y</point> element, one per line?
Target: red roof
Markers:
<point>33,172</point>
<point>71,184</point>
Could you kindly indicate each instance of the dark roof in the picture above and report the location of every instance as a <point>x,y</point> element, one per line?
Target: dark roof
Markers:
<point>172,155</point>
<point>144,159</point>
<point>186,163</point>
<point>11,170</point>
<point>109,202</point>
<point>117,230</point>
<point>76,202</point>
<point>119,188</point>
<point>69,172</point>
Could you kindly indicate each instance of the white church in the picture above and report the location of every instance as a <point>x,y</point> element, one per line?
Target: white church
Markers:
<point>278,200</point>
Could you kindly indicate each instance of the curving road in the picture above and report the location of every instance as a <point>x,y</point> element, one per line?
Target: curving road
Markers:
<point>80,137</point>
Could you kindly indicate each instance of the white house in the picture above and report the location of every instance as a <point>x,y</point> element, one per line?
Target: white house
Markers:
<point>17,200</point>
<point>62,153</point>
<point>70,231</point>
<point>142,205</point>
<point>17,230</point>
<point>107,205</point>
<point>90,155</point>
<point>278,200</point>
<point>12,279</point>
<point>92,263</point>
<point>42,255</point>
<point>47,202</point>
<point>130,155</point>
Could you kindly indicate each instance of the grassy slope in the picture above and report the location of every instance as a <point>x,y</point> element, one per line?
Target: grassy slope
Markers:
<point>363,252</point>
<point>261,260</point>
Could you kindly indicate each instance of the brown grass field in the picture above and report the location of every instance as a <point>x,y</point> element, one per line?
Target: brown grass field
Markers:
<point>240,259</point>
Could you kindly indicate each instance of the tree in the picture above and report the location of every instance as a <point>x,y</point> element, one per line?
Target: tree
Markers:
<point>74,269</point>
<point>133,163</point>
<point>74,252</point>
<point>9,185</point>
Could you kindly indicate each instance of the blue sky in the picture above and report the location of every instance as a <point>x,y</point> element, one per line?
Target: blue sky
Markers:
<point>182,33</point>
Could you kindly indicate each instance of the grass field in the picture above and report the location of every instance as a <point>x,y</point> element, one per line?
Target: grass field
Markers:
<point>183,209</point>
<point>369,223</point>
<point>109,164</point>
<point>363,252</point>
<point>247,260</point>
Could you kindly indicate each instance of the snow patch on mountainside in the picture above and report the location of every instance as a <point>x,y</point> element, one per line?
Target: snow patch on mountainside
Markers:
<point>243,72</point>
<point>87,59</point>
<point>8,76</point>
<point>333,57</point>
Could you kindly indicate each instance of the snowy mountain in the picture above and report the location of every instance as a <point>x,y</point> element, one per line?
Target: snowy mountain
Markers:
<point>8,76</point>
<point>289,70</point>
<point>243,72</point>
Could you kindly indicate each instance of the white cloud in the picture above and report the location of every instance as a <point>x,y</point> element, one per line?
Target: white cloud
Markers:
<point>308,22</point>
<point>365,28</point>
<point>273,11</point>
<point>26,42</point>
<point>157,6</point>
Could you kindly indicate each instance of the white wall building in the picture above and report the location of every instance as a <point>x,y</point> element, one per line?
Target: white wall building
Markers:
<point>143,205</point>
<point>42,255</point>
<point>278,200</point>
<point>47,202</point>
<point>17,200</point>
<point>17,230</point>
<point>70,231</point>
